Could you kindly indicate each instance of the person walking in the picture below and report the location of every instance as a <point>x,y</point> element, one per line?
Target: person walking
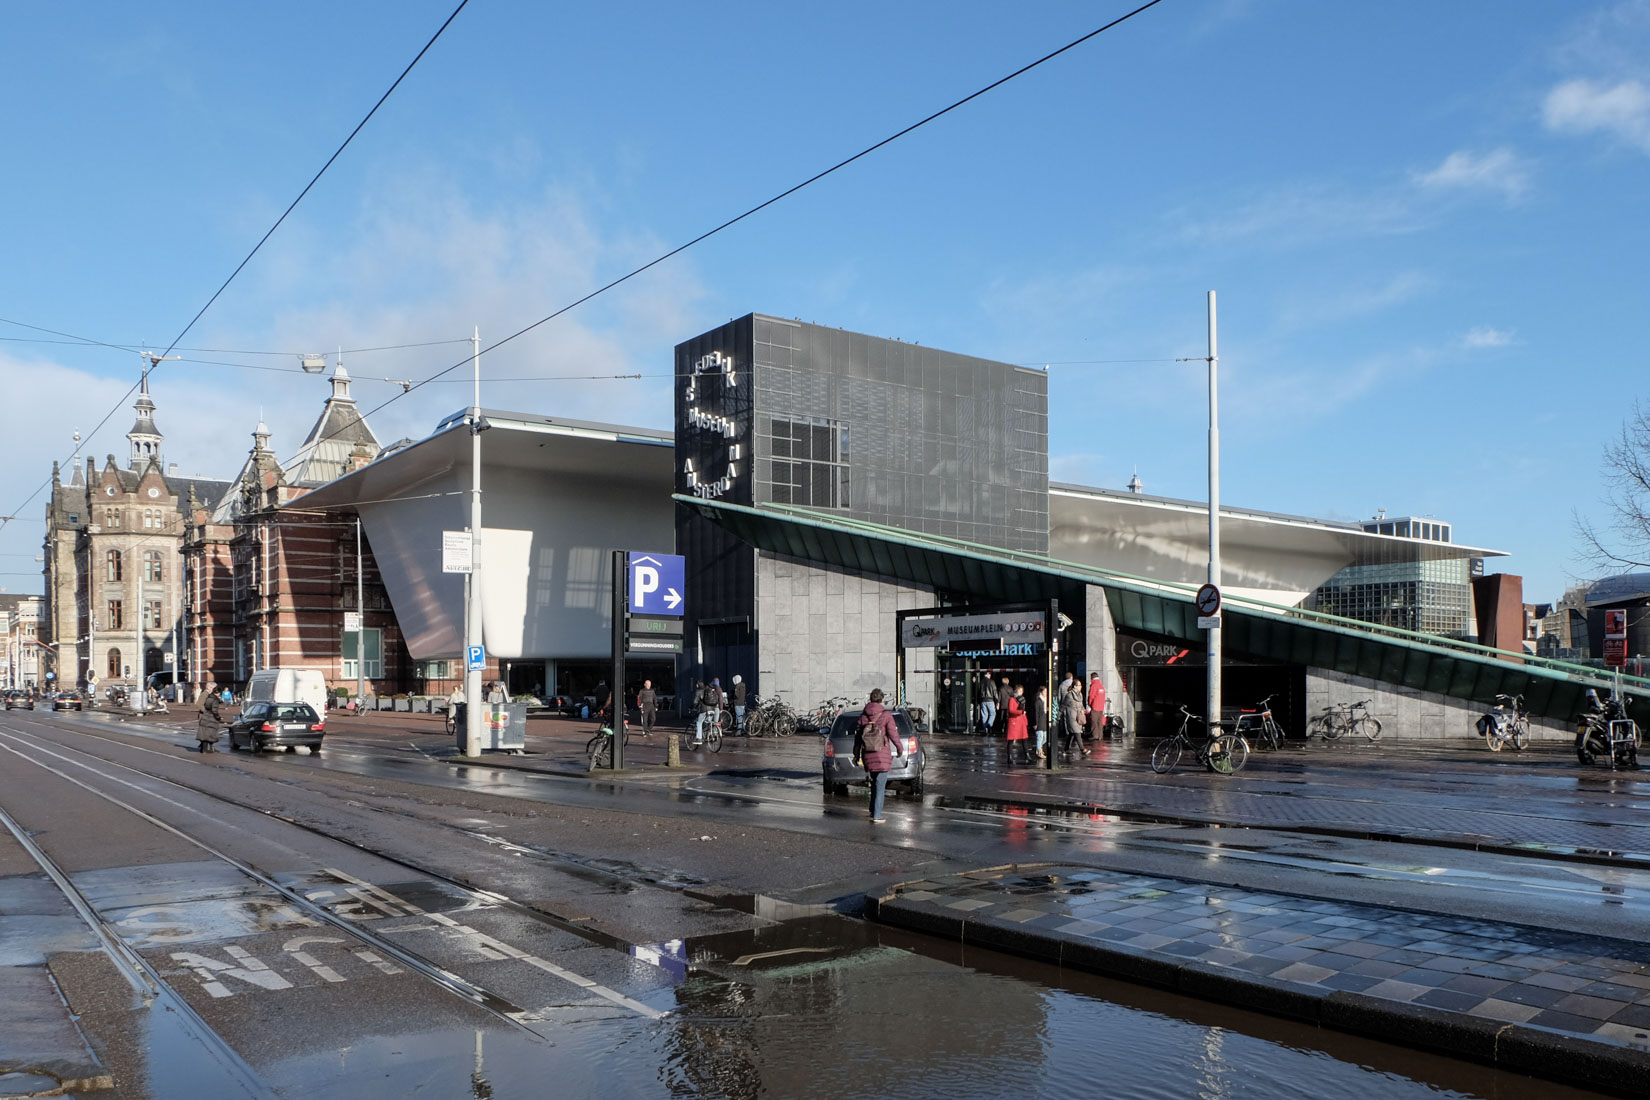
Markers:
<point>1013,717</point>
<point>647,704</point>
<point>988,705</point>
<point>1097,707</point>
<point>876,743</point>
<point>1039,720</point>
<point>1073,714</point>
<point>738,704</point>
<point>1004,694</point>
<point>209,726</point>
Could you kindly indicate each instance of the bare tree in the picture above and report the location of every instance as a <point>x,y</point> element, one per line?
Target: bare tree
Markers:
<point>1624,537</point>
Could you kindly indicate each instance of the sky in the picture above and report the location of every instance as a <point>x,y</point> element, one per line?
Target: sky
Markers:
<point>1425,224</point>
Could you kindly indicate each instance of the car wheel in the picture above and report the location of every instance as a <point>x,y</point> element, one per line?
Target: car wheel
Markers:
<point>840,790</point>
<point>914,788</point>
<point>830,788</point>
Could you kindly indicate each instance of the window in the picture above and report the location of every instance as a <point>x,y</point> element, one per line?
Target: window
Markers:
<point>151,614</point>
<point>807,461</point>
<point>112,560</point>
<point>113,621</point>
<point>437,670</point>
<point>151,565</point>
<point>112,518</point>
<point>374,640</point>
<point>114,666</point>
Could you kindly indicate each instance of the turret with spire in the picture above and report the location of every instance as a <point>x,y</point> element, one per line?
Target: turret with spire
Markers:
<point>144,436</point>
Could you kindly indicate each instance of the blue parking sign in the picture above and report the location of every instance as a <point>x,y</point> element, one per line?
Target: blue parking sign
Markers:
<point>476,659</point>
<point>656,584</point>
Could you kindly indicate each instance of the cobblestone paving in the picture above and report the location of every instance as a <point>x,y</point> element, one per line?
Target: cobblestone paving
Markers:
<point>1584,985</point>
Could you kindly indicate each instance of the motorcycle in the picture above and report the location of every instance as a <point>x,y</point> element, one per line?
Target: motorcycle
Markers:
<point>1605,730</point>
<point>1507,723</point>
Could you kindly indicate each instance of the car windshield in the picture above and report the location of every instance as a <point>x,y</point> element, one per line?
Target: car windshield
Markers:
<point>293,712</point>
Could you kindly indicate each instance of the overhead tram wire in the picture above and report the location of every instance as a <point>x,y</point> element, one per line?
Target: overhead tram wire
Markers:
<point>839,165</point>
<point>238,268</point>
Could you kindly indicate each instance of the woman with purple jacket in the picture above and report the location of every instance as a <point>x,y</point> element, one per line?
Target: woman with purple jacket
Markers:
<point>876,743</point>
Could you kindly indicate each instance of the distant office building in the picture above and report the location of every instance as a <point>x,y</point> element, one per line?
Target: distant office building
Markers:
<point>1426,589</point>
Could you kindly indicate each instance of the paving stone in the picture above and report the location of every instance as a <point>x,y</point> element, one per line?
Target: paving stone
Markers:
<point>1303,972</point>
<point>1394,990</point>
<point>1595,1008</point>
<point>1497,1009</point>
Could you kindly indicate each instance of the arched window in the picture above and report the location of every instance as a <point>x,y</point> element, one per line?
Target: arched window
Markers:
<point>114,663</point>
<point>113,558</point>
<point>151,565</point>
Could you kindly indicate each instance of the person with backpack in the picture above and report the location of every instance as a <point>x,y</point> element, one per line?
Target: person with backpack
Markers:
<point>709,708</point>
<point>876,743</point>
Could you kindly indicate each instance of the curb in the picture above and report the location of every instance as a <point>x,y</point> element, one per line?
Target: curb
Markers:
<point>1596,1063</point>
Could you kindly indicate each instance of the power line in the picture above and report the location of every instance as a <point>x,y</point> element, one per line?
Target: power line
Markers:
<point>202,311</point>
<point>839,165</point>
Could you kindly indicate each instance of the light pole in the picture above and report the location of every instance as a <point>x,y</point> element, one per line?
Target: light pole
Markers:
<point>1213,701</point>
<point>472,610</point>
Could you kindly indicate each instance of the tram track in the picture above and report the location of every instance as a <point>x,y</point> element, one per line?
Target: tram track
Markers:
<point>20,744</point>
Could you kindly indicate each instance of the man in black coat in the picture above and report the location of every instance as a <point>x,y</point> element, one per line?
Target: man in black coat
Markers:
<point>1004,694</point>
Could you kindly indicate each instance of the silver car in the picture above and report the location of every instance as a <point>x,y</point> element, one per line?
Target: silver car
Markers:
<point>840,769</point>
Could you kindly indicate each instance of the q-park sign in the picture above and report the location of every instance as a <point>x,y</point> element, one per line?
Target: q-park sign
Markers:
<point>656,583</point>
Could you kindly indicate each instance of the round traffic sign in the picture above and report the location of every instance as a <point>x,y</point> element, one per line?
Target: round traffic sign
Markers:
<point>1208,600</point>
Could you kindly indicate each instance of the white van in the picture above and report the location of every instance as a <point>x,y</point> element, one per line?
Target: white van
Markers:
<point>289,685</point>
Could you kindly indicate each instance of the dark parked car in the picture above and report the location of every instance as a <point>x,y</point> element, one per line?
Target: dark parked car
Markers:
<point>68,700</point>
<point>19,700</point>
<point>264,727</point>
<point>840,769</point>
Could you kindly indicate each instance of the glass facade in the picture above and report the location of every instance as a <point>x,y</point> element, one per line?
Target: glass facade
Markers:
<point>1433,597</point>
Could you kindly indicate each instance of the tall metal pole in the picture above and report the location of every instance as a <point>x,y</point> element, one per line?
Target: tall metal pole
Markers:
<point>621,609</point>
<point>472,613</point>
<point>360,621</point>
<point>140,696</point>
<point>1212,704</point>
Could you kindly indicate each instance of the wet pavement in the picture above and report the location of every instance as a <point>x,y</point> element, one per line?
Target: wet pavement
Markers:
<point>1567,1005</point>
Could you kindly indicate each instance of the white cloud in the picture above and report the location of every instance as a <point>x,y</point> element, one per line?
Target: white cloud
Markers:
<point>1304,213</point>
<point>1326,306</point>
<point>1499,170</point>
<point>1621,110</point>
<point>1079,469</point>
<point>1485,337</point>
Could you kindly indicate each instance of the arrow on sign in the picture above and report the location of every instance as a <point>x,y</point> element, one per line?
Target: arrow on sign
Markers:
<point>673,598</point>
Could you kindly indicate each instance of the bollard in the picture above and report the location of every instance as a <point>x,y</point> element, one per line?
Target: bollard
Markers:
<point>673,752</point>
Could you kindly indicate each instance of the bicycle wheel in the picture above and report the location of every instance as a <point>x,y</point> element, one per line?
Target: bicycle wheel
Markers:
<point>1332,727</point>
<point>1492,738</point>
<point>713,738</point>
<point>1226,754</point>
<point>1520,736</point>
<point>1370,727</point>
<point>600,750</point>
<point>1271,738</point>
<point>1166,755</point>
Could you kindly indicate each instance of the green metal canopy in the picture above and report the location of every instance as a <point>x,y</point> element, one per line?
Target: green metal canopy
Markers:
<point>1251,629</point>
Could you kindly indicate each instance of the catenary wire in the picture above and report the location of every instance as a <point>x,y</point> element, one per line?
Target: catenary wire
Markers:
<point>215,295</point>
<point>736,219</point>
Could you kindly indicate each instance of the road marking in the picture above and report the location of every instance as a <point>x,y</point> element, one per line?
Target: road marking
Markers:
<point>295,948</point>
<point>209,970</point>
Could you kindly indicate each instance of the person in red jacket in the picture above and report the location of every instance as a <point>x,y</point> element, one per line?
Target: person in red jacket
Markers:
<point>876,743</point>
<point>1097,707</point>
<point>1018,732</point>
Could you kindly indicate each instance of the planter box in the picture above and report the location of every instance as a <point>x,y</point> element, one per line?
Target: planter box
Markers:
<point>422,704</point>
<point>404,705</point>
<point>385,703</point>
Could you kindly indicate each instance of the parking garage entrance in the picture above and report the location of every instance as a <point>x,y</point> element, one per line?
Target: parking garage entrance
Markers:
<point>1164,674</point>
<point>975,647</point>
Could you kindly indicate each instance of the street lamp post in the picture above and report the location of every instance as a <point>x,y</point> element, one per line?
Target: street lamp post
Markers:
<point>472,611</point>
<point>1213,701</point>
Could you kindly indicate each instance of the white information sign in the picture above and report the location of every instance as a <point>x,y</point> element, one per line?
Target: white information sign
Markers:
<point>456,555</point>
<point>352,621</point>
<point>944,630</point>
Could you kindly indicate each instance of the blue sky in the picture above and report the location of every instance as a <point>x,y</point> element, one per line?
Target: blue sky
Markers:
<point>1425,224</point>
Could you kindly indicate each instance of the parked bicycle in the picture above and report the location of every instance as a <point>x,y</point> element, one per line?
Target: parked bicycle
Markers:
<point>1338,719</point>
<point>1220,752</point>
<point>769,718</point>
<point>1258,727</point>
<point>821,716</point>
<point>1506,723</point>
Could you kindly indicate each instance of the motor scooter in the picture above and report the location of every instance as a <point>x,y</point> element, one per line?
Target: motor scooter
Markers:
<point>1603,729</point>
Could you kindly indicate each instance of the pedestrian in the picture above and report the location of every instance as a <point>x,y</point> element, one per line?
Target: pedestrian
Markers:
<point>1097,707</point>
<point>876,743</point>
<point>709,709</point>
<point>1039,719</point>
<point>209,726</point>
<point>1004,694</point>
<point>496,694</point>
<point>647,703</point>
<point>1073,713</point>
<point>738,704</point>
<point>988,705</point>
<point>1013,717</point>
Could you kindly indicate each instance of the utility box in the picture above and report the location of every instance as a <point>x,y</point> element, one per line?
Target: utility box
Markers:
<point>503,726</point>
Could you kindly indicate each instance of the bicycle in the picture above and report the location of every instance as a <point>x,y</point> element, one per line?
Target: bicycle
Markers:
<point>821,717</point>
<point>714,729</point>
<point>600,747</point>
<point>769,718</point>
<point>1341,718</point>
<point>1259,724</point>
<point>1221,753</point>
<point>1501,728</point>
